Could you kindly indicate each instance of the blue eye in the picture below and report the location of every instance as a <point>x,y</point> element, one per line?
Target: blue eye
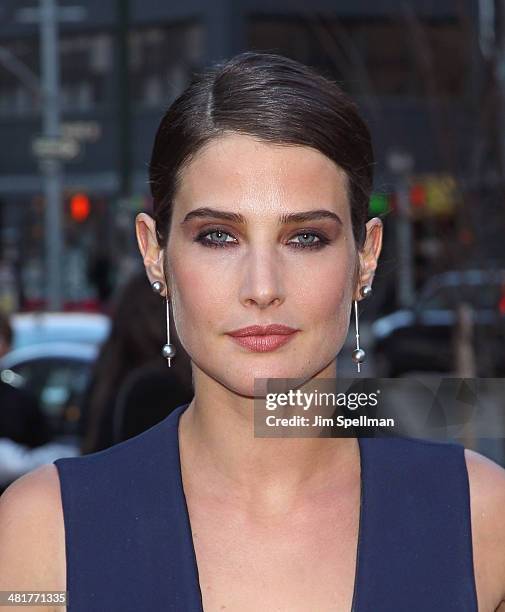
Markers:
<point>316,241</point>
<point>201,238</point>
<point>313,244</point>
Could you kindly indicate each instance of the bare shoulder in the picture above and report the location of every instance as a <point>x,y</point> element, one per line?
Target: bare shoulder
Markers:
<point>487,500</point>
<point>32,534</point>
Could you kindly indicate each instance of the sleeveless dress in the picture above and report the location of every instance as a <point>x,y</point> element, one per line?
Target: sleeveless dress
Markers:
<point>129,545</point>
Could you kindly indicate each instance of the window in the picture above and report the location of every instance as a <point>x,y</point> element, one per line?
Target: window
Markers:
<point>161,61</point>
<point>85,64</point>
<point>483,295</point>
<point>16,98</point>
<point>417,57</point>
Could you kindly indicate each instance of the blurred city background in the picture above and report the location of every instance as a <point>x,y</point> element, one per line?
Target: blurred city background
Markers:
<point>83,85</point>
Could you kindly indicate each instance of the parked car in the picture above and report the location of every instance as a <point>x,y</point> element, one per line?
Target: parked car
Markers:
<point>56,373</point>
<point>41,327</point>
<point>52,357</point>
<point>421,339</point>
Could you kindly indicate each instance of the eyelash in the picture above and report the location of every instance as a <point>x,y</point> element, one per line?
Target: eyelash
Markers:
<point>322,242</point>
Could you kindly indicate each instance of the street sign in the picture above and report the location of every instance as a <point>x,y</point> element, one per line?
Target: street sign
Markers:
<point>84,131</point>
<point>48,147</point>
<point>66,13</point>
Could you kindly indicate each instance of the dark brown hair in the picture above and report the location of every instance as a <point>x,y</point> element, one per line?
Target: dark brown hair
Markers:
<point>275,99</point>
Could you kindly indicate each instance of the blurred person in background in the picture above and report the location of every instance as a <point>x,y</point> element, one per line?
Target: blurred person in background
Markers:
<point>99,272</point>
<point>131,387</point>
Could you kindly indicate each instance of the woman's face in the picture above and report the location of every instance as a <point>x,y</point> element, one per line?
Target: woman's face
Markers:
<point>225,274</point>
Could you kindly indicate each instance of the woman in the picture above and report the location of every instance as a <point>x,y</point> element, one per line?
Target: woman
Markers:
<point>261,173</point>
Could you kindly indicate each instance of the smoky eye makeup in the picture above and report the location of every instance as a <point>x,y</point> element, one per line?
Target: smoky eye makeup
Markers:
<point>303,239</point>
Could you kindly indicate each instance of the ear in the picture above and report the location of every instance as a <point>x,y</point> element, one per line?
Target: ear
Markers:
<point>152,253</point>
<point>369,255</point>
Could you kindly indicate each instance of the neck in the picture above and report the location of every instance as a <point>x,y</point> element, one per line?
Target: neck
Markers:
<point>220,454</point>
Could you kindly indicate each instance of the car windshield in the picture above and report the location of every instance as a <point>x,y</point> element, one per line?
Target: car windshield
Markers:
<point>27,333</point>
<point>479,296</point>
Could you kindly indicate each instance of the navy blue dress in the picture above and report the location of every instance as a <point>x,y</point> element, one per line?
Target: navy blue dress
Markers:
<point>129,545</point>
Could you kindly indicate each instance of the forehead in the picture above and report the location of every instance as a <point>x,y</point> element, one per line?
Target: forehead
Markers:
<point>241,170</point>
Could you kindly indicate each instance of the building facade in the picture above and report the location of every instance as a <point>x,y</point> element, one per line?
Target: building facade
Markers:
<point>414,73</point>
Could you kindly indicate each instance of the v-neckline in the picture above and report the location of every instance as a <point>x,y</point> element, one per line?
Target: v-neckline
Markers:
<point>359,545</point>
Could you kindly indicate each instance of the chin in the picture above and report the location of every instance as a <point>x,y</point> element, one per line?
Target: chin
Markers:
<point>250,381</point>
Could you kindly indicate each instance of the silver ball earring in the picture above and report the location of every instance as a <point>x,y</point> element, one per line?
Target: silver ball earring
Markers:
<point>358,355</point>
<point>366,290</point>
<point>168,350</point>
<point>157,286</point>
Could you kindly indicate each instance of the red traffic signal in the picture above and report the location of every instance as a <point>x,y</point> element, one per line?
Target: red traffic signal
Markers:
<point>418,195</point>
<point>79,207</point>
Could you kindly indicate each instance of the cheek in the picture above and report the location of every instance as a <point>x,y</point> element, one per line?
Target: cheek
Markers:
<point>326,286</point>
<point>326,295</point>
<point>199,299</point>
<point>324,304</point>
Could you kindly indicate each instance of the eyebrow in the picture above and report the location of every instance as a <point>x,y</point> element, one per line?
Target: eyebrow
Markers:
<point>299,217</point>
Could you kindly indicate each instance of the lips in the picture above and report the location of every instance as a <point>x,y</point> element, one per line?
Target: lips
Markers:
<point>274,329</point>
<point>263,338</point>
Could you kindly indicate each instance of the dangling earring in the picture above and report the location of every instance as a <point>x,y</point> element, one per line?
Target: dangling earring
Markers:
<point>168,350</point>
<point>358,355</point>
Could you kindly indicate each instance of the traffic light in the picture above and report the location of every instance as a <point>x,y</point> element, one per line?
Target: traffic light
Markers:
<point>418,195</point>
<point>379,204</point>
<point>441,195</point>
<point>79,207</point>
<point>433,195</point>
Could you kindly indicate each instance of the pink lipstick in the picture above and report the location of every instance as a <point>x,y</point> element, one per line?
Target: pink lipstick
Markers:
<point>263,338</point>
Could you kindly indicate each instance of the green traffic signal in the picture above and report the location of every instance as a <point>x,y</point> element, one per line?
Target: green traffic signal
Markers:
<point>379,204</point>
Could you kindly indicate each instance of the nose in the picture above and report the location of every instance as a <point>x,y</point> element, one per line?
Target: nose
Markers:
<point>262,283</point>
